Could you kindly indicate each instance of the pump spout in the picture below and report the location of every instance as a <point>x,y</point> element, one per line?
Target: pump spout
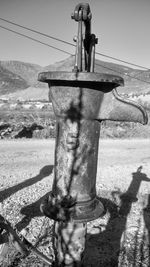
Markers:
<point>114,107</point>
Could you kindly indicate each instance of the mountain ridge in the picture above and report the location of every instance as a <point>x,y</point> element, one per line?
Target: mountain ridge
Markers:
<point>20,78</point>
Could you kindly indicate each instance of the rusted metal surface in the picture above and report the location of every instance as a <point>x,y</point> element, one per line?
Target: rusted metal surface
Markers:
<point>82,15</point>
<point>101,102</point>
<point>78,111</point>
<point>81,100</point>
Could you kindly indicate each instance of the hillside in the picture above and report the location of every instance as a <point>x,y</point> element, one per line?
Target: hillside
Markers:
<point>26,71</point>
<point>19,79</point>
<point>16,76</point>
<point>10,82</point>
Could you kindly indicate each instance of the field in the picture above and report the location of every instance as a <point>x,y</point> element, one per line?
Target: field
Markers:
<point>119,238</point>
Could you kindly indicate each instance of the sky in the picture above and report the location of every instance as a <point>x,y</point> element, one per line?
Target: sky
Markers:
<point>122,28</point>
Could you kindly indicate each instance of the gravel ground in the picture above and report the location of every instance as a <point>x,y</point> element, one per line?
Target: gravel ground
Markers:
<point>119,238</point>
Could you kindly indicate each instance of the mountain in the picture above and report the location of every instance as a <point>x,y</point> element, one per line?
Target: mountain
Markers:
<point>19,79</point>
<point>17,76</point>
<point>26,71</point>
<point>10,82</point>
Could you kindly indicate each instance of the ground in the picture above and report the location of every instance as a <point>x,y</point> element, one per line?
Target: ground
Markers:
<point>119,238</point>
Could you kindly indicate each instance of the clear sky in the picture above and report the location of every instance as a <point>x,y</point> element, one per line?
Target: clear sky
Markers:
<point>122,28</point>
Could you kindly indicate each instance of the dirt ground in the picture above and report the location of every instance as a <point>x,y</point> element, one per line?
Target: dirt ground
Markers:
<point>119,238</point>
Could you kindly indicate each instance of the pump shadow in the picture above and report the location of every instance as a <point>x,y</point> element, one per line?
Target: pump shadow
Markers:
<point>29,212</point>
<point>45,171</point>
<point>104,247</point>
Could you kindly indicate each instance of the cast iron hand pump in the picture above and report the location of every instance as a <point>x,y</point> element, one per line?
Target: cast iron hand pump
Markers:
<point>81,100</point>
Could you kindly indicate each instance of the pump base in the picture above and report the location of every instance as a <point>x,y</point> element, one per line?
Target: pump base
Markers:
<point>88,211</point>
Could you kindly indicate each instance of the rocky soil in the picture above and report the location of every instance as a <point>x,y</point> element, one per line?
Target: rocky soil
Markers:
<point>119,238</point>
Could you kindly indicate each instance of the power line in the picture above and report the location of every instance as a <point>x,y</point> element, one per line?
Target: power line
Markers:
<point>68,43</point>
<point>33,39</point>
<point>38,32</point>
<point>61,50</point>
<point>123,61</point>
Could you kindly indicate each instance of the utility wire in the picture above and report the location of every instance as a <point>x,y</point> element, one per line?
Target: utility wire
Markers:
<point>33,39</point>
<point>61,50</point>
<point>68,43</point>
<point>38,32</point>
<point>114,58</point>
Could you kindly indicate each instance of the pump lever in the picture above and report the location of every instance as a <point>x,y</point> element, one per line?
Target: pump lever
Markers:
<point>85,40</point>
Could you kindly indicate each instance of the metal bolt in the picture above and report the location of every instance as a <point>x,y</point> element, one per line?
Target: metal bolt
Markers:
<point>75,38</point>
